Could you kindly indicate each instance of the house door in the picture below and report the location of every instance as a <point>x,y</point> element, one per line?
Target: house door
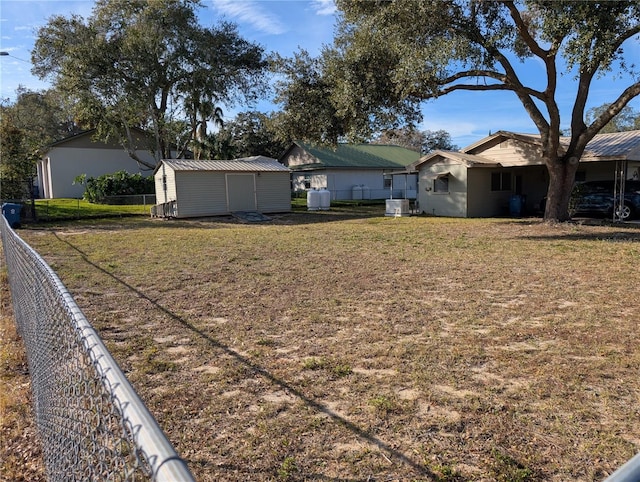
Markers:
<point>241,192</point>
<point>518,183</point>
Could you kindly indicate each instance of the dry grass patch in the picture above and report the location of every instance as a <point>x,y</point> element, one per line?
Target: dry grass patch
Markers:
<point>20,450</point>
<point>334,347</point>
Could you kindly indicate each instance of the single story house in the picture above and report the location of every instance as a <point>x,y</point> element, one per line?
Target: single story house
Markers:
<point>190,188</point>
<point>80,154</point>
<point>481,179</point>
<point>352,171</point>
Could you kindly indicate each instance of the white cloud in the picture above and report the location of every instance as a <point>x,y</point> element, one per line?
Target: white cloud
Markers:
<point>252,13</point>
<point>324,7</point>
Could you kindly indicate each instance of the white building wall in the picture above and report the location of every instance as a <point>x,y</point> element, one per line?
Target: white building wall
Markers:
<point>64,164</point>
<point>452,203</point>
<point>340,182</point>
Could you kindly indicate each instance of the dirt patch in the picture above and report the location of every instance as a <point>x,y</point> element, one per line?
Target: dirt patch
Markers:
<point>371,348</point>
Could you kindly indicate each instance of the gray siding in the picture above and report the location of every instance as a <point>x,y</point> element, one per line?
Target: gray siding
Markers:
<point>204,193</point>
<point>201,193</point>
<point>273,192</point>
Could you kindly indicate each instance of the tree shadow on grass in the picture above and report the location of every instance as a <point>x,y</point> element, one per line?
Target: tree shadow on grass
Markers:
<point>258,370</point>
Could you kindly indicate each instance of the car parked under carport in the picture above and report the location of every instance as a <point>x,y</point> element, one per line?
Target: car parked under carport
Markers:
<point>599,198</point>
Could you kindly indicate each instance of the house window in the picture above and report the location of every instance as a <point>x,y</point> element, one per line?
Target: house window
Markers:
<point>501,181</point>
<point>441,184</point>
<point>387,182</point>
<point>307,181</point>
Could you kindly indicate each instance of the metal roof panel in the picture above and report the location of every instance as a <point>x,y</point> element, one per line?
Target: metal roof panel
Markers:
<point>246,164</point>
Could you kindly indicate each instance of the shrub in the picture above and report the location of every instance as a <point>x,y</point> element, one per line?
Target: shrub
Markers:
<point>120,183</point>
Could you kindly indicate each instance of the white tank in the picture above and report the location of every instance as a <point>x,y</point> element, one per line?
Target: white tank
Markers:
<point>313,200</point>
<point>356,192</point>
<point>325,199</point>
<point>366,192</point>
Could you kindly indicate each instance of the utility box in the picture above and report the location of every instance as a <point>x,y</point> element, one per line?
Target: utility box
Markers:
<point>11,211</point>
<point>397,207</point>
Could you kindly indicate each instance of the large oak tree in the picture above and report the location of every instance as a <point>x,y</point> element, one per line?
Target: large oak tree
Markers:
<point>145,64</point>
<point>390,56</point>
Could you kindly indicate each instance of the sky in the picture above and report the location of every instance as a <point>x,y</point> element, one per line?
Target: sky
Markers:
<point>285,26</point>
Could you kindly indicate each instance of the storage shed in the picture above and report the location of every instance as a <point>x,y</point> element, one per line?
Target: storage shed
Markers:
<point>188,188</point>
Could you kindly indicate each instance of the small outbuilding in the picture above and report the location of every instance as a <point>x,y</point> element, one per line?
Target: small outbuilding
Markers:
<point>188,188</point>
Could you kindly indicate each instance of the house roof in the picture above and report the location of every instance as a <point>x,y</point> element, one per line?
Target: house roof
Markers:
<point>609,146</point>
<point>96,143</point>
<point>469,160</point>
<point>358,156</point>
<point>245,164</point>
<point>615,145</point>
<point>603,147</point>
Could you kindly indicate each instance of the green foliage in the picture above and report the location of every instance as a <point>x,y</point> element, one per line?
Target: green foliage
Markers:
<point>117,184</point>
<point>32,121</point>
<point>144,64</point>
<point>627,119</point>
<point>505,468</point>
<point>287,469</point>
<point>420,141</point>
<point>383,404</point>
<point>308,113</point>
<point>254,134</point>
<point>332,367</point>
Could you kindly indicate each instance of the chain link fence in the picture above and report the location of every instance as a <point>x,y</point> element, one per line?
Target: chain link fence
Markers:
<point>92,424</point>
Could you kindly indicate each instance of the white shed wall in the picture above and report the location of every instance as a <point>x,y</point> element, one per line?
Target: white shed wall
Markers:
<point>204,193</point>
<point>165,181</point>
<point>200,193</point>
<point>273,192</point>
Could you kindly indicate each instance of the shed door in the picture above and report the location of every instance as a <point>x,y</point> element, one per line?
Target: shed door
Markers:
<point>241,192</point>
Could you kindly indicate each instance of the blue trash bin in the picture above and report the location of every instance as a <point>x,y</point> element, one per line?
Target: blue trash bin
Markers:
<point>515,205</point>
<point>11,211</point>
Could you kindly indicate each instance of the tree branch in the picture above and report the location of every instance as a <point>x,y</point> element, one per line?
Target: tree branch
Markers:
<point>614,109</point>
<point>524,31</point>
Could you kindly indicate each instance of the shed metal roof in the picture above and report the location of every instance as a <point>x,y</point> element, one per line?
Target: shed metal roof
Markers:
<point>245,164</point>
<point>359,156</point>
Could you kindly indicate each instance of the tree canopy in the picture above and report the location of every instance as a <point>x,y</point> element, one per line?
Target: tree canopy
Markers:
<point>34,120</point>
<point>420,141</point>
<point>388,57</point>
<point>148,65</point>
<point>252,134</point>
<point>627,119</point>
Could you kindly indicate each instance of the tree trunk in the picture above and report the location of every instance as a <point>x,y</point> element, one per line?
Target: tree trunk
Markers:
<point>562,174</point>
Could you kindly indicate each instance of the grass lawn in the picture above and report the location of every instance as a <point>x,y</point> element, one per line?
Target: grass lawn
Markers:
<point>61,209</point>
<point>346,345</point>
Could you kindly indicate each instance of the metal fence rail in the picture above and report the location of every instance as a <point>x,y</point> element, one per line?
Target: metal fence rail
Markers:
<point>92,424</point>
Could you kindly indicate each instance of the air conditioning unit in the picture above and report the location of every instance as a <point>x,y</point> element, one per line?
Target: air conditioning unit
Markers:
<point>397,207</point>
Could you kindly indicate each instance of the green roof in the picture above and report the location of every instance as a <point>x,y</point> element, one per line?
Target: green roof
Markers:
<point>361,156</point>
